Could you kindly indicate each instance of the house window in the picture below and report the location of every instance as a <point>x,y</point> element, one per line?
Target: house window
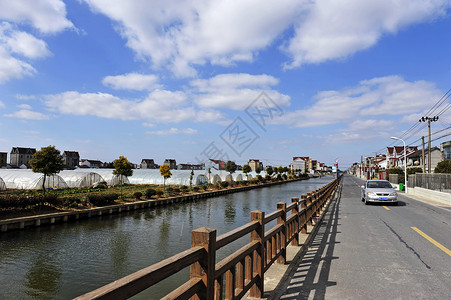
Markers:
<point>447,153</point>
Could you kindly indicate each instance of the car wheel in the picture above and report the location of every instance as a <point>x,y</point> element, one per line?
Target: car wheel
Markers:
<point>366,202</point>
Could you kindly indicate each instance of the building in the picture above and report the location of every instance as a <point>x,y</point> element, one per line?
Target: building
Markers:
<point>215,164</point>
<point>148,164</point>
<point>445,149</point>
<point>71,159</point>
<point>299,163</point>
<point>394,153</point>
<point>171,163</point>
<point>21,156</point>
<point>3,159</point>
<point>190,167</point>
<point>89,163</point>
<point>255,164</point>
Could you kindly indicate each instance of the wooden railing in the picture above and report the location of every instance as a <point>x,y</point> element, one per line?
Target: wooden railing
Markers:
<point>240,272</point>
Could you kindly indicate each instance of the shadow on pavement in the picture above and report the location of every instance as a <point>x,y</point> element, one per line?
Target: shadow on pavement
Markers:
<point>310,277</point>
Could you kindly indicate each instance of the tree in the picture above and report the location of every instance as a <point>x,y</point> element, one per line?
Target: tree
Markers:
<point>47,161</point>
<point>165,171</point>
<point>443,167</point>
<point>269,170</point>
<point>191,175</point>
<point>230,167</point>
<point>122,167</point>
<point>281,170</point>
<point>247,169</point>
<point>257,170</point>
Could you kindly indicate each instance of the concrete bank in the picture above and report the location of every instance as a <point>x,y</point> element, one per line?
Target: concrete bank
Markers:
<point>278,274</point>
<point>63,217</point>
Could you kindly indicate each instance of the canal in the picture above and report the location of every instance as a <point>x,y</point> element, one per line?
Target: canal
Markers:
<point>66,260</point>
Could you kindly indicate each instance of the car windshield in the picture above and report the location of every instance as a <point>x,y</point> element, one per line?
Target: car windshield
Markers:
<point>379,185</point>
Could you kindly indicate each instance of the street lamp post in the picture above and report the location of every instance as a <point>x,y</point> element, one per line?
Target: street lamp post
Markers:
<point>405,161</point>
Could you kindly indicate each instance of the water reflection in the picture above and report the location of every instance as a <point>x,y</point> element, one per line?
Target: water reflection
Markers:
<point>43,277</point>
<point>230,211</point>
<point>120,244</point>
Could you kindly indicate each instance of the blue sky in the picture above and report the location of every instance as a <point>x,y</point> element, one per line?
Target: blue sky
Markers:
<point>169,79</point>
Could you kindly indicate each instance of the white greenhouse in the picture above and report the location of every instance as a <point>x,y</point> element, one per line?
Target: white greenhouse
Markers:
<point>75,179</point>
<point>2,185</point>
<point>28,180</point>
<point>107,175</point>
<point>179,177</point>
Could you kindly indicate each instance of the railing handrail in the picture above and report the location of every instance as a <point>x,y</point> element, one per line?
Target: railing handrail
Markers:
<point>243,269</point>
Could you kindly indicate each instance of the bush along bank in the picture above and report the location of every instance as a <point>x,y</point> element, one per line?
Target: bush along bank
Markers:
<point>108,199</point>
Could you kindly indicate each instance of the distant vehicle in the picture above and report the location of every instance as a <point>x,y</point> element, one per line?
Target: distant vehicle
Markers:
<point>380,191</point>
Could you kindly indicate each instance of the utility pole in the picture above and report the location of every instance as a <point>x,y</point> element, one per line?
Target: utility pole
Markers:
<point>422,154</point>
<point>429,120</point>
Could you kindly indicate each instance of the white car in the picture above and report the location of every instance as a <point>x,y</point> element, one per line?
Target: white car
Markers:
<point>379,191</point>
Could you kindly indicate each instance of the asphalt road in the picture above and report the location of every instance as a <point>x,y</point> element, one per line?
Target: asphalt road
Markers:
<point>376,252</point>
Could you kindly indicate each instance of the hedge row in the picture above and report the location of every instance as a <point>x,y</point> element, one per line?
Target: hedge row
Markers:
<point>23,202</point>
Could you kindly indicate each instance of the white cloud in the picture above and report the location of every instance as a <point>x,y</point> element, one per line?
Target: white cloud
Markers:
<point>48,16</point>
<point>147,124</point>
<point>25,97</point>
<point>28,115</point>
<point>164,106</point>
<point>336,29</point>
<point>2,104</point>
<point>11,67</point>
<point>132,81</point>
<point>236,91</point>
<point>24,106</point>
<point>187,33</point>
<point>382,96</point>
<point>173,131</point>
<point>182,35</point>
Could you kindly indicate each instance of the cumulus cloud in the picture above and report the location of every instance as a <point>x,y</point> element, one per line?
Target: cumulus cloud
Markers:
<point>390,95</point>
<point>28,115</point>
<point>182,35</point>
<point>47,16</point>
<point>158,106</point>
<point>336,29</point>
<point>236,91</point>
<point>173,131</point>
<point>132,81</point>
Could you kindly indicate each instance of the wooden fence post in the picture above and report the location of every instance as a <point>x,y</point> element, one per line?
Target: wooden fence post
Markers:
<point>297,223</point>
<point>205,268</point>
<point>258,235</point>
<point>283,233</point>
<point>309,209</point>
<point>304,214</point>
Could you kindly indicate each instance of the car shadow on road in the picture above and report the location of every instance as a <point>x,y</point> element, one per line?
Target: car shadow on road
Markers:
<point>400,203</point>
<point>310,278</point>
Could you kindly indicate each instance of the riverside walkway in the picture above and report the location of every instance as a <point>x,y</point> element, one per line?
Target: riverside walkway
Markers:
<point>370,252</point>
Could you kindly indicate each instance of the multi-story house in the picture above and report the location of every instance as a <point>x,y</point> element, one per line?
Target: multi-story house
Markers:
<point>255,164</point>
<point>171,162</point>
<point>88,163</point>
<point>21,156</point>
<point>3,157</point>
<point>148,164</point>
<point>71,159</point>
<point>300,163</point>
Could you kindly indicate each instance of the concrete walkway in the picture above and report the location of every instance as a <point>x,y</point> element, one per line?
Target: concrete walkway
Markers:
<point>363,251</point>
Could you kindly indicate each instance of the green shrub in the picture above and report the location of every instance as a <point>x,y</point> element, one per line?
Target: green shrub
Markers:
<point>177,191</point>
<point>195,188</point>
<point>102,199</point>
<point>443,167</point>
<point>159,193</point>
<point>27,201</point>
<point>204,187</point>
<point>137,195</point>
<point>184,188</point>
<point>169,190</point>
<point>224,184</point>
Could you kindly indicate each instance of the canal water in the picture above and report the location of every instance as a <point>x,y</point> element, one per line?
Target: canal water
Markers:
<point>67,260</point>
